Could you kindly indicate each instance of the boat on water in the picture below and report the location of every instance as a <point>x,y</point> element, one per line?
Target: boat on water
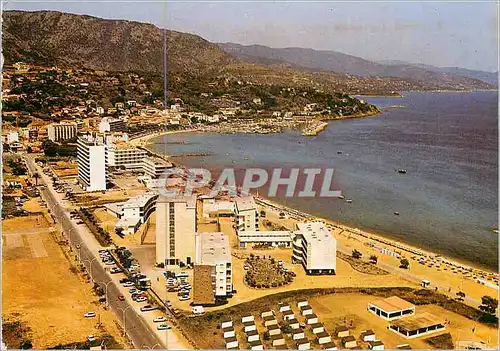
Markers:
<point>396,213</point>
<point>339,152</point>
<point>348,201</point>
<point>402,171</point>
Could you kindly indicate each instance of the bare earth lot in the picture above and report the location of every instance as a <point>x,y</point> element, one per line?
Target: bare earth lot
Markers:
<point>41,290</point>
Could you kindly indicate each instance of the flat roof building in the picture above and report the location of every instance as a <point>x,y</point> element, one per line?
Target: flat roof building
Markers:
<point>212,268</point>
<point>154,167</point>
<point>62,131</point>
<point>271,238</point>
<point>391,308</point>
<point>246,215</point>
<point>315,248</point>
<point>175,230</point>
<point>121,154</point>
<point>418,325</point>
<point>110,124</point>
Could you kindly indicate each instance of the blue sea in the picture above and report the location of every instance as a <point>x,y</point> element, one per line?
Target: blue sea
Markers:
<point>448,143</point>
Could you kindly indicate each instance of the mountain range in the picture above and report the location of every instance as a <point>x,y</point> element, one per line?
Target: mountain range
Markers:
<point>322,60</point>
<point>52,38</point>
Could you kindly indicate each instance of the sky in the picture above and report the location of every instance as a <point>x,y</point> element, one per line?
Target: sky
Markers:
<point>445,33</point>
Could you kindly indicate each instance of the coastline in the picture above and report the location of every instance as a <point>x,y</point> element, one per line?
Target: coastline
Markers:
<point>370,235</point>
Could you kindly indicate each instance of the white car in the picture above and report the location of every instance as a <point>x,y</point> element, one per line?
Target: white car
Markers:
<point>163,327</point>
<point>133,291</point>
<point>184,298</point>
<point>159,319</point>
<point>128,284</point>
<point>89,314</point>
<point>141,299</point>
<point>91,338</point>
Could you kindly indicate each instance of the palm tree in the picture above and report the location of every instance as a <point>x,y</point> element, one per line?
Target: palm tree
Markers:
<point>373,259</point>
<point>404,263</point>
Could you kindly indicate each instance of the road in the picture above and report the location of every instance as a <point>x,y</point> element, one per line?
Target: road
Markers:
<point>142,336</point>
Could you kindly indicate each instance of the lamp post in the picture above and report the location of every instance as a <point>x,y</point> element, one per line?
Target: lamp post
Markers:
<point>106,291</point>
<point>90,266</point>
<point>123,311</point>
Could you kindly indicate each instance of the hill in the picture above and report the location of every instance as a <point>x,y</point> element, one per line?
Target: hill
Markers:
<point>60,39</point>
<point>338,62</point>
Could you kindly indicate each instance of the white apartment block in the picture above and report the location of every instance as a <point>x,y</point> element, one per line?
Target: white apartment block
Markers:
<point>246,214</point>
<point>12,137</point>
<point>213,264</point>
<point>121,154</point>
<point>315,248</point>
<point>62,131</point>
<point>134,212</point>
<point>175,229</point>
<point>109,124</point>
<point>91,159</point>
<point>154,167</point>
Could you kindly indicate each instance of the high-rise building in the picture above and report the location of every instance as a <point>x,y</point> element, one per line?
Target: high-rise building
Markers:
<point>315,248</point>
<point>121,154</point>
<point>91,158</point>
<point>175,229</point>
<point>62,131</point>
<point>212,278</point>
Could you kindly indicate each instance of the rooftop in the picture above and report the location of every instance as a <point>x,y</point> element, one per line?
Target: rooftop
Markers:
<point>189,200</point>
<point>416,322</point>
<point>392,304</point>
<point>315,232</point>
<point>212,248</point>
<point>244,203</point>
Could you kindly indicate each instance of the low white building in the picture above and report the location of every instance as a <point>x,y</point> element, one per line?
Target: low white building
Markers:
<point>155,167</point>
<point>12,137</point>
<point>133,212</point>
<point>271,238</point>
<point>315,248</point>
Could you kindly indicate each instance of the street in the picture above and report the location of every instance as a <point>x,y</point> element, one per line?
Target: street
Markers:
<point>135,326</point>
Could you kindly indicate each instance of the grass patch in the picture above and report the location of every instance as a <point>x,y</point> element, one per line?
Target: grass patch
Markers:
<point>362,266</point>
<point>441,342</point>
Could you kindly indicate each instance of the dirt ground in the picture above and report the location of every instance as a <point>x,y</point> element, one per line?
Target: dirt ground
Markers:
<point>42,289</point>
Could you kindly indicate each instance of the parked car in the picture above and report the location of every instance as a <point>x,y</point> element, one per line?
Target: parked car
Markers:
<point>163,327</point>
<point>159,319</point>
<point>133,291</point>
<point>79,222</point>
<point>148,308</point>
<point>91,338</point>
<point>115,270</point>
<point>184,298</point>
<point>141,299</point>
<point>128,284</point>
<point>121,298</point>
<point>89,314</point>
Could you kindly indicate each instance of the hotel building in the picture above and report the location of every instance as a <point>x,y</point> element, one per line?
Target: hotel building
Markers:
<point>91,159</point>
<point>175,229</point>
<point>315,248</point>
<point>212,269</point>
<point>109,124</point>
<point>120,154</point>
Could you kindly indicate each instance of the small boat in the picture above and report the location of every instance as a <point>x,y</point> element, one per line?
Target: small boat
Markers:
<point>339,152</point>
<point>402,171</point>
<point>396,213</point>
<point>348,201</point>
<point>341,197</point>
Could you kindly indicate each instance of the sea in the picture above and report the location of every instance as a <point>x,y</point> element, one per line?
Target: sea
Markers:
<point>447,201</point>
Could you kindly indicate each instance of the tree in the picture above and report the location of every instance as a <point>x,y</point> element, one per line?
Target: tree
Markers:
<point>286,329</point>
<point>461,296</point>
<point>356,254</point>
<point>49,148</point>
<point>373,259</point>
<point>489,304</point>
<point>266,336</point>
<point>29,150</point>
<point>36,176</point>
<point>404,263</point>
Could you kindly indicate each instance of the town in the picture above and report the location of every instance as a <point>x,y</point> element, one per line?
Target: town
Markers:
<point>210,270</point>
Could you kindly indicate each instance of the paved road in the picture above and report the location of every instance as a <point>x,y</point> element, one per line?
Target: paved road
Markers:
<point>136,328</point>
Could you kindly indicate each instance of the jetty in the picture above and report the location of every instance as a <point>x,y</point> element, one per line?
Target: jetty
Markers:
<point>314,129</point>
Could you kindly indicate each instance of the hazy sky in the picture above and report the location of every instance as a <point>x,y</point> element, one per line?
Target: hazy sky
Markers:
<point>439,33</point>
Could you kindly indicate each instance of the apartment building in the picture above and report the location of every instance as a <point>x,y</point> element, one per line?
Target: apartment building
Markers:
<point>154,167</point>
<point>315,248</point>
<point>62,131</point>
<point>212,278</point>
<point>175,229</point>
<point>121,154</point>
<point>91,159</point>
<point>134,212</point>
<point>109,124</point>
<point>246,214</point>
